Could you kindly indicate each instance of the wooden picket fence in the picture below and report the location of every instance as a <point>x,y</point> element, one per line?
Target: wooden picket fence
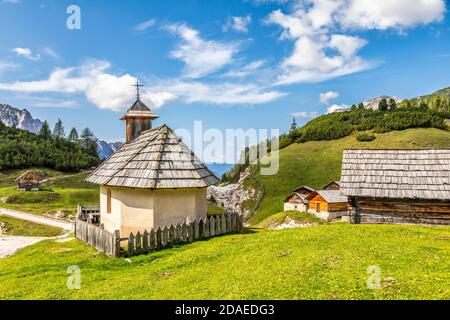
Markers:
<point>156,239</point>
<point>182,233</point>
<point>97,237</point>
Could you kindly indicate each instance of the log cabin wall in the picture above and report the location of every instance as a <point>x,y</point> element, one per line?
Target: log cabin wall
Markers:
<point>400,211</point>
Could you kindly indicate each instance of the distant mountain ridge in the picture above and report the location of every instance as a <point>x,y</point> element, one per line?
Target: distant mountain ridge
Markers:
<point>22,119</point>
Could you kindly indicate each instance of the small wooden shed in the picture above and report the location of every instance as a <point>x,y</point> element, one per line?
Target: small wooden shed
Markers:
<point>397,186</point>
<point>333,185</point>
<point>28,181</point>
<point>327,204</point>
<point>296,200</point>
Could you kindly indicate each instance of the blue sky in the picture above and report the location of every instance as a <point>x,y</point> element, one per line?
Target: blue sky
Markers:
<point>231,64</point>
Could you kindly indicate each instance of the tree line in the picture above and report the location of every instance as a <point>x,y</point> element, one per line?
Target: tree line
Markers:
<point>50,149</point>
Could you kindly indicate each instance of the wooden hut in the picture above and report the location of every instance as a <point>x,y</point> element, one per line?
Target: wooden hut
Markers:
<point>397,186</point>
<point>296,200</point>
<point>153,180</point>
<point>28,181</point>
<point>327,204</point>
<point>333,185</point>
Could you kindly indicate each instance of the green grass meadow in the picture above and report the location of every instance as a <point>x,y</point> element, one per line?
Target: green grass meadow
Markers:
<point>327,261</point>
<point>18,227</point>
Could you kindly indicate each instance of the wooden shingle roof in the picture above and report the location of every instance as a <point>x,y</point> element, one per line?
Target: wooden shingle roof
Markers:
<point>399,174</point>
<point>330,196</point>
<point>157,159</point>
<point>139,109</point>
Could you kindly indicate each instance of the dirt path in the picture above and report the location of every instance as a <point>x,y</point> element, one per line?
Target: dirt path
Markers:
<point>11,244</point>
<point>37,219</point>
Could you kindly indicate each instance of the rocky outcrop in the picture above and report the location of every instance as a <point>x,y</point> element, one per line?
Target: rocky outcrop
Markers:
<point>242,197</point>
<point>374,102</point>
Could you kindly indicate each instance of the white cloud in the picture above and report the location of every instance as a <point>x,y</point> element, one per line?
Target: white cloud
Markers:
<point>109,91</point>
<point>51,53</point>
<point>11,1</point>
<point>337,108</point>
<point>46,102</point>
<point>201,57</point>
<point>26,53</point>
<point>385,14</point>
<point>325,97</point>
<point>5,65</point>
<point>239,24</point>
<point>223,93</point>
<point>323,51</point>
<point>245,70</point>
<point>145,25</point>
<point>304,114</point>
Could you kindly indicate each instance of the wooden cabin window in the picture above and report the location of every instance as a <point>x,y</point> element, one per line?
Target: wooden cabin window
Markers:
<point>318,207</point>
<point>108,201</point>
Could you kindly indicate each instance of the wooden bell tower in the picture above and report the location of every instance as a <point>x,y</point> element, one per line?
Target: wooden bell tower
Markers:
<point>138,118</point>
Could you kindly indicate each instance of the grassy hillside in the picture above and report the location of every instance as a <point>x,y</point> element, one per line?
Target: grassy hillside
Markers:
<point>324,262</point>
<point>17,227</point>
<point>62,193</point>
<point>315,163</point>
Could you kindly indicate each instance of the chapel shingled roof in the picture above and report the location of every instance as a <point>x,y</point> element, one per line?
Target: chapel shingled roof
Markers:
<point>139,109</point>
<point>399,174</point>
<point>156,159</point>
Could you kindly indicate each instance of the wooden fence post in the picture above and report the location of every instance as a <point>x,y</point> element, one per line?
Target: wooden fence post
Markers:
<point>206,228</point>
<point>165,236</point>
<point>201,229</point>
<point>131,245</point>
<point>218,226</point>
<point>190,232</point>
<point>223,223</point>
<point>152,240</point>
<point>178,232</point>
<point>184,232</point>
<point>239,223</point>
<point>172,234</point>
<point>159,238</point>
<point>212,227</point>
<point>145,246</point>
<point>138,243</point>
<point>228,223</point>
<point>116,244</point>
<point>196,230</point>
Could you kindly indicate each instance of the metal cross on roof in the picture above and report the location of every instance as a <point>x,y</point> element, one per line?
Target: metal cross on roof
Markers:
<point>137,85</point>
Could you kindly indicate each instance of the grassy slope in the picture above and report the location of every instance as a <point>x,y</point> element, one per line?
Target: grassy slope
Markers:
<point>329,261</point>
<point>281,217</point>
<point>17,227</point>
<point>315,163</point>
<point>68,191</point>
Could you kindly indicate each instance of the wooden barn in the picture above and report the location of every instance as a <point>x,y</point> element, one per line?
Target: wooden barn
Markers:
<point>327,204</point>
<point>28,181</point>
<point>397,186</point>
<point>296,200</point>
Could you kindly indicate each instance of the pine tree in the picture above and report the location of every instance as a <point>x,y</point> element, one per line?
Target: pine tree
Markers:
<point>392,104</point>
<point>383,105</point>
<point>88,141</point>
<point>73,135</point>
<point>361,106</point>
<point>294,124</point>
<point>58,131</point>
<point>45,131</point>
